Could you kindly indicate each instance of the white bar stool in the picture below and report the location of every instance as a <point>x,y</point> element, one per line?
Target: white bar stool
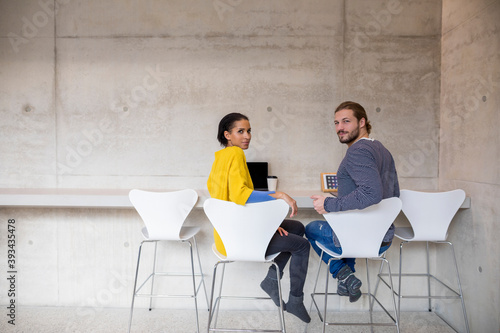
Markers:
<point>163,214</point>
<point>430,215</point>
<point>246,232</point>
<point>360,233</point>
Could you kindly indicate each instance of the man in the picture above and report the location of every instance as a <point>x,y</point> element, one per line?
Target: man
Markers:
<point>366,175</point>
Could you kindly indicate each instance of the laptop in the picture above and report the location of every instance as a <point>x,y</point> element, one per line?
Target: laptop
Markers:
<point>258,173</point>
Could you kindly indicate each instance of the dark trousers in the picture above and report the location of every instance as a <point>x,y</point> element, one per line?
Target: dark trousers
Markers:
<point>293,246</point>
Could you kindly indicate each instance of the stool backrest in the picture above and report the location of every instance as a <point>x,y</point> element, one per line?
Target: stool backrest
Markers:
<point>430,213</point>
<point>163,213</point>
<point>246,230</point>
<point>361,231</point>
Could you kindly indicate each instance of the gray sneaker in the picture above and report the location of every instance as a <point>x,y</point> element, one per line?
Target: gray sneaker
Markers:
<point>342,288</point>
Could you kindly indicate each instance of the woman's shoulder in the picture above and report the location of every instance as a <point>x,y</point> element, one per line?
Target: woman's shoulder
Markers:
<point>231,151</point>
<point>230,154</point>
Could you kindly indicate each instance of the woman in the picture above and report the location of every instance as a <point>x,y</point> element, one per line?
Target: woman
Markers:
<point>230,180</point>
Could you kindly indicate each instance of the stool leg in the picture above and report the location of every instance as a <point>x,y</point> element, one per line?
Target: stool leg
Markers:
<point>282,316</point>
<point>201,270</point>
<point>400,280</point>
<point>217,301</point>
<point>460,288</point>
<point>314,289</point>
<point>153,277</point>
<point>380,270</point>
<point>428,277</point>
<point>194,286</point>
<point>135,286</point>
<point>369,294</point>
<point>211,306</point>
<point>317,273</point>
<point>396,311</point>
<point>326,294</point>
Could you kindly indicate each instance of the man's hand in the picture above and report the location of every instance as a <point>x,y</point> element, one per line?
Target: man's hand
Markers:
<point>319,203</point>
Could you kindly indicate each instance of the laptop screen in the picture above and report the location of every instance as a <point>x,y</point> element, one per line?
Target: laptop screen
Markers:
<point>258,173</point>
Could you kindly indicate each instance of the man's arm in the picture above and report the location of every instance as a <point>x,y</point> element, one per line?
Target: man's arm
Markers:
<point>363,170</point>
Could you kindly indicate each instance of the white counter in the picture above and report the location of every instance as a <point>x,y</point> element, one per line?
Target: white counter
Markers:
<point>110,198</point>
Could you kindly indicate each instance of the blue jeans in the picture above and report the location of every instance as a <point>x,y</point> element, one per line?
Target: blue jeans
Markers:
<point>322,232</point>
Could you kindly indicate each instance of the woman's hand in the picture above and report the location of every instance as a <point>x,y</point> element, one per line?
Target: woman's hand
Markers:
<point>289,200</point>
<point>282,232</point>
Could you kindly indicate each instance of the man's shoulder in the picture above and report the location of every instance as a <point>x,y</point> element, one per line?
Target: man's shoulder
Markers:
<point>368,144</point>
<point>367,149</point>
<point>363,144</point>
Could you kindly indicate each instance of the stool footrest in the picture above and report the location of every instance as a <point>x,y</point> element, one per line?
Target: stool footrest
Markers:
<point>457,294</point>
<point>393,323</point>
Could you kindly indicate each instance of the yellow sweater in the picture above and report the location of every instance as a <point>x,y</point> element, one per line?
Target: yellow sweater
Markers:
<point>229,180</point>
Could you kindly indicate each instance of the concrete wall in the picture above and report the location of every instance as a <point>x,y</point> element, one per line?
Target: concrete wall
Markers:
<point>107,95</point>
<point>113,95</point>
<point>469,146</point>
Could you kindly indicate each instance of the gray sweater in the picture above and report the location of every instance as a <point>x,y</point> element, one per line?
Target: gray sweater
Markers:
<point>366,175</point>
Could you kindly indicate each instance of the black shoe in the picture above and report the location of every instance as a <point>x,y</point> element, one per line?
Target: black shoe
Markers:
<point>271,288</point>
<point>296,307</point>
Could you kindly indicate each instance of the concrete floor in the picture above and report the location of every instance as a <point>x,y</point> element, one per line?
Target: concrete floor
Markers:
<point>67,319</point>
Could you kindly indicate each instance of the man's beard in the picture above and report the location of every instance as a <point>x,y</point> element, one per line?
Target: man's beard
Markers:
<point>352,136</point>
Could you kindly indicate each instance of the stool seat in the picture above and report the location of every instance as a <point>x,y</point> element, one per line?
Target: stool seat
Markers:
<point>404,233</point>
